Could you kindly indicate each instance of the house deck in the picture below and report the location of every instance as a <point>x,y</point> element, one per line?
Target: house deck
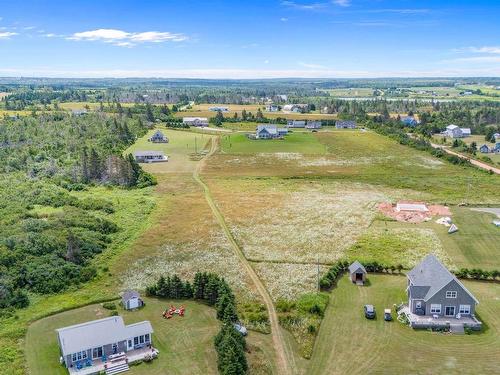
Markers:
<point>424,321</point>
<point>98,365</point>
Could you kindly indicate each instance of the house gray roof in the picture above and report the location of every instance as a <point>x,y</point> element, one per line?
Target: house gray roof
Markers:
<point>158,133</point>
<point>148,153</point>
<point>129,294</point>
<point>356,266</point>
<point>429,277</point>
<point>271,129</point>
<point>97,333</point>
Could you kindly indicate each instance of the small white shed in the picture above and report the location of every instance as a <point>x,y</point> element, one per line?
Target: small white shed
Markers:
<point>131,300</point>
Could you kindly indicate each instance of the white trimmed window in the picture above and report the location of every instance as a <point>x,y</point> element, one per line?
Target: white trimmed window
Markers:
<point>451,294</point>
<point>435,308</point>
<point>464,309</point>
<point>79,356</point>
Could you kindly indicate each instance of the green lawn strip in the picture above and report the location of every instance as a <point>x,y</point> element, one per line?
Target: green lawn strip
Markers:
<point>348,343</point>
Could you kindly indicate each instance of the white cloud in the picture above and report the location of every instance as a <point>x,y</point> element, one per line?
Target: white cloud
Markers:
<point>486,49</point>
<point>283,19</point>
<point>342,3</point>
<point>126,39</point>
<point>311,66</point>
<point>7,34</point>
<point>400,11</point>
<point>266,61</point>
<point>301,6</point>
<point>29,27</point>
<point>476,59</point>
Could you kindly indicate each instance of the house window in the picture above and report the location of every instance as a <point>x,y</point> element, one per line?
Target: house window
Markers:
<point>146,337</point>
<point>451,294</point>
<point>97,352</point>
<point>464,309</point>
<point>449,310</point>
<point>136,340</point>
<point>79,356</point>
<point>141,339</point>
<point>435,308</point>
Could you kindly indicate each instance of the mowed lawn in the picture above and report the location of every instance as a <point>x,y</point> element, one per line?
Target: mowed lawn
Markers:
<point>477,242</point>
<point>297,142</point>
<point>348,343</point>
<point>179,148</point>
<point>185,344</point>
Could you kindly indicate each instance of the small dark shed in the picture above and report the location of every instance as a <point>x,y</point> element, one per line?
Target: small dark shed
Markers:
<point>357,273</point>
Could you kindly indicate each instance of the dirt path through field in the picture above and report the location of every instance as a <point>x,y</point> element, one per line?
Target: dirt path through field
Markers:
<point>475,162</point>
<point>284,362</point>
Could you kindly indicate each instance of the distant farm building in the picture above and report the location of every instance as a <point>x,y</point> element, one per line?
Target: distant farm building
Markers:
<point>217,109</point>
<point>272,108</point>
<point>297,108</point>
<point>296,124</point>
<point>357,273</point>
<point>150,156</point>
<point>453,131</point>
<point>78,112</point>
<point>195,121</point>
<point>313,124</point>
<point>496,136</point>
<point>345,124</point>
<point>158,137</point>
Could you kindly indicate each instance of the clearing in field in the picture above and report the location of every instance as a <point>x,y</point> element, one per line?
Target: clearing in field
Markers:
<point>297,142</point>
<point>185,344</point>
<point>348,343</point>
<point>181,150</point>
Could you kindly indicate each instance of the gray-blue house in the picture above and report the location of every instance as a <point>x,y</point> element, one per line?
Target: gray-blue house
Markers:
<point>436,298</point>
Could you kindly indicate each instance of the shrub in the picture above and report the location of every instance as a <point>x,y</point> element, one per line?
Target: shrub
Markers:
<point>313,303</point>
<point>109,305</point>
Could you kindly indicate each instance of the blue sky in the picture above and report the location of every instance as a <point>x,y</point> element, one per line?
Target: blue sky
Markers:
<point>250,39</point>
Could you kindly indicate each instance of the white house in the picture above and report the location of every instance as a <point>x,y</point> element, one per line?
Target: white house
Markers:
<point>296,124</point>
<point>453,131</point>
<point>195,121</point>
<point>272,108</point>
<point>150,156</point>
<point>266,132</point>
<point>217,109</point>
<point>313,124</point>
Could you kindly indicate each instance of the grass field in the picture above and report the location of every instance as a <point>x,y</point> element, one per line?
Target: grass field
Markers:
<point>185,344</point>
<point>297,142</point>
<point>350,344</point>
<point>181,145</point>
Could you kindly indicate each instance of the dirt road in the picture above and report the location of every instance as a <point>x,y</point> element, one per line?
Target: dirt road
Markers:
<point>282,360</point>
<point>475,162</point>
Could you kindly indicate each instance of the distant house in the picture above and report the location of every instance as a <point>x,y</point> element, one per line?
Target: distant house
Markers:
<point>496,149</point>
<point>453,131</point>
<point>78,112</point>
<point>217,109</point>
<point>131,300</point>
<point>150,156</point>
<point>496,137</point>
<point>345,124</point>
<point>158,137</point>
<point>104,345</point>
<point>195,121</point>
<point>297,108</point>
<point>409,121</point>
<point>282,131</point>
<point>272,108</point>
<point>484,149</point>
<point>357,273</point>
<point>296,124</point>
<point>436,298</point>
<point>266,132</point>
<point>313,124</point>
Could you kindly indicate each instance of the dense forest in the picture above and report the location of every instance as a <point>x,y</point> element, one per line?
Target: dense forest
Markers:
<point>42,160</point>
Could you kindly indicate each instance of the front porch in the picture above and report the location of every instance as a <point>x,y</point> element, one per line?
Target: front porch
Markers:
<point>112,365</point>
<point>438,321</point>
